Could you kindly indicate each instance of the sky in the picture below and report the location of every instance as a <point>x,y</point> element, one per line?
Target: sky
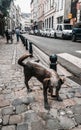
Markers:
<point>24,5</point>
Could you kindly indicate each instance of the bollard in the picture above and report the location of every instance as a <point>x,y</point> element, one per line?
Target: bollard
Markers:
<point>26,44</point>
<point>53,64</point>
<point>30,48</point>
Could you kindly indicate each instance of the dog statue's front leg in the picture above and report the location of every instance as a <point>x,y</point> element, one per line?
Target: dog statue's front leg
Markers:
<point>46,105</point>
<point>57,94</point>
<point>45,87</point>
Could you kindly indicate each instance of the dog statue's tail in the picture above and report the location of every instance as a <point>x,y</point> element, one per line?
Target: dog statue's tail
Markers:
<point>21,59</point>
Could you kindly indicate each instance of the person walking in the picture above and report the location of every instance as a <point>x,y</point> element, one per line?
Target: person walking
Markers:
<point>8,34</point>
<point>17,31</point>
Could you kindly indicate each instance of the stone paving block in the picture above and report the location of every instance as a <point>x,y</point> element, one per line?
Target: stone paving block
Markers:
<point>77,119</point>
<point>28,100</point>
<point>30,116</point>
<point>22,126</point>
<point>53,112</point>
<point>78,100</point>
<point>6,91</point>
<point>16,102</point>
<point>38,125</point>
<point>6,119</point>
<point>7,110</point>
<point>12,127</point>
<point>23,100</point>
<point>4,103</point>
<point>66,123</point>
<point>15,119</point>
<point>21,108</point>
<point>76,109</point>
<point>45,116</point>
<point>9,96</point>
<point>53,124</point>
<point>69,102</point>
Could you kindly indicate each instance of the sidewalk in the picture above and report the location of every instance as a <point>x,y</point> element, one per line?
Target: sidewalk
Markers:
<point>20,110</point>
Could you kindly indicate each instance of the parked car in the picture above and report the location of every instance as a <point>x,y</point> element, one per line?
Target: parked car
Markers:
<point>45,32</point>
<point>36,31</point>
<point>76,32</point>
<point>52,32</point>
<point>40,32</point>
<point>31,32</point>
<point>48,32</point>
<point>63,31</point>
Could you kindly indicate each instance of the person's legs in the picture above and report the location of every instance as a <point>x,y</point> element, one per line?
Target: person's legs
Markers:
<point>17,38</point>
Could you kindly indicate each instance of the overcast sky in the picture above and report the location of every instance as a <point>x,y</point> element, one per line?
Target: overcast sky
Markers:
<point>24,5</point>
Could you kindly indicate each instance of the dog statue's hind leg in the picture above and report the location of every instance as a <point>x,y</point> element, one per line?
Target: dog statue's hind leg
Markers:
<point>26,83</point>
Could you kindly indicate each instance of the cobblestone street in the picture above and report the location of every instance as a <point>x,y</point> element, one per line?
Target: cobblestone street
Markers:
<point>20,110</point>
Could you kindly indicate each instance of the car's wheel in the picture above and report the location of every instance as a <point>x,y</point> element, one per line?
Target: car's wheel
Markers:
<point>63,36</point>
<point>50,35</point>
<point>73,38</point>
<point>55,36</point>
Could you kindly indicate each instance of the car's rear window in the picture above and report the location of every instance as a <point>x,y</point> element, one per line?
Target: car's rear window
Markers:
<point>69,27</point>
<point>77,26</point>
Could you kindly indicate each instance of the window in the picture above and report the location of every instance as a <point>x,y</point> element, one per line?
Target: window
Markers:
<point>61,4</point>
<point>69,27</point>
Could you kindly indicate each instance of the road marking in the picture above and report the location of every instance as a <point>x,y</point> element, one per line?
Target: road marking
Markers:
<point>73,59</point>
<point>14,56</point>
<point>78,51</point>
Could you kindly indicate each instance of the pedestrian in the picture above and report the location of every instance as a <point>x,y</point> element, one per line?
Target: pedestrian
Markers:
<point>17,31</point>
<point>8,34</point>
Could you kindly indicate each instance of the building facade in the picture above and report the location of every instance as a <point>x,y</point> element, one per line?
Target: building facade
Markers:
<point>79,10</point>
<point>48,13</point>
<point>34,14</point>
<point>40,14</point>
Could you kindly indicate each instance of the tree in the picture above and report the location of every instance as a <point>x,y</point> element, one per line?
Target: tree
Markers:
<point>4,6</point>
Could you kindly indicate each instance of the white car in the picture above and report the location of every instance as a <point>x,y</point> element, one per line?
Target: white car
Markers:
<point>36,31</point>
<point>63,31</point>
<point>45,32</point>
<point>52,32</point>
<point>48,32</point>
<point>40,32</point>
<point>31,32</point>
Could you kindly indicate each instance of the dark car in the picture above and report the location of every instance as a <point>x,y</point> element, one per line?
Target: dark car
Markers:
<point>76,32</point>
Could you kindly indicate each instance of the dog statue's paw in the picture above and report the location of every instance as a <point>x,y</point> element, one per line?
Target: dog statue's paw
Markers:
<point>46,105</point>
<point>29,90</point>
<point>59,99</point>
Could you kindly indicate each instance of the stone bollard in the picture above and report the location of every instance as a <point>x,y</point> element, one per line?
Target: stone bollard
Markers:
<point>30,48</point>
<point>53,60</point>
<point>26,44</point>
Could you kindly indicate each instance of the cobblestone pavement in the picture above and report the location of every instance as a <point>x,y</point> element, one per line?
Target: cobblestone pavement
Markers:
<point>20,110</point>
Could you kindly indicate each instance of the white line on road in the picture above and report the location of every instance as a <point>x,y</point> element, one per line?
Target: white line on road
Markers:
<point>73,59</point>
<point>14,56</point>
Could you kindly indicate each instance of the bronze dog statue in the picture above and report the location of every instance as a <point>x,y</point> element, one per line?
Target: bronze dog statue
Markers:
<point>48,77</point>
